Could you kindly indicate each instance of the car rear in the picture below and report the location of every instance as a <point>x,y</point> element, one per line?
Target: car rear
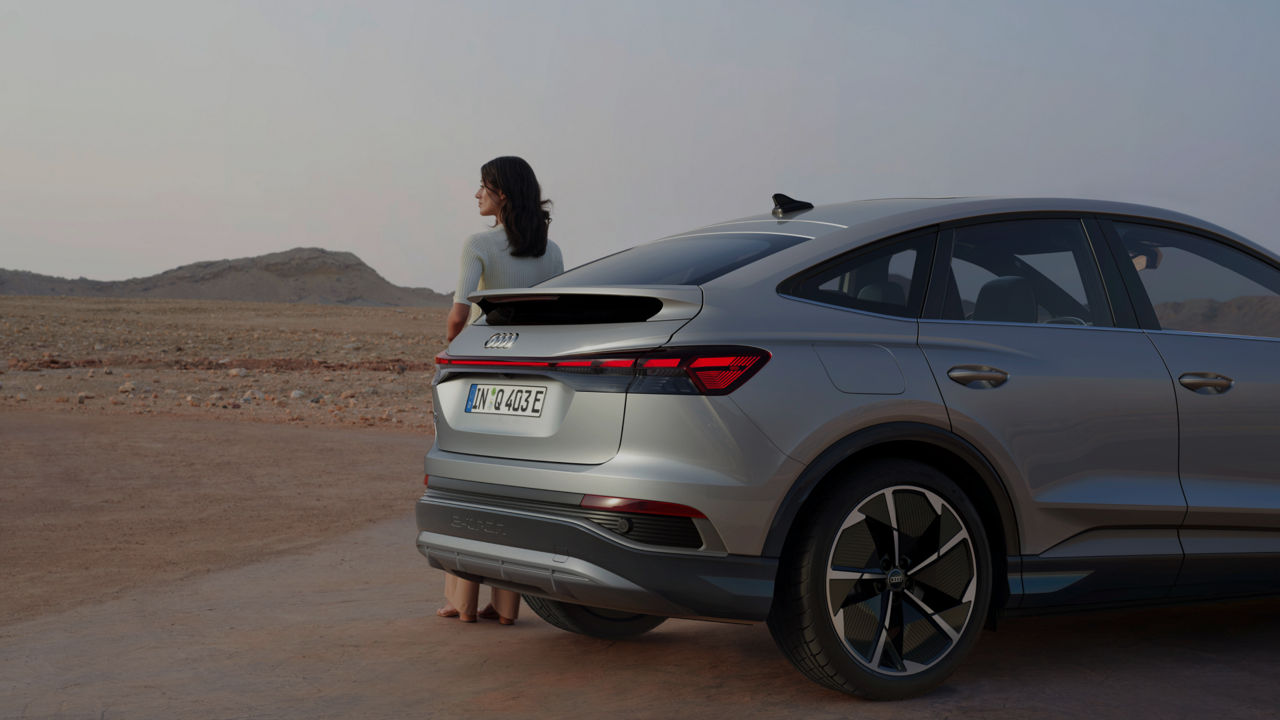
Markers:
<point>584,454</point>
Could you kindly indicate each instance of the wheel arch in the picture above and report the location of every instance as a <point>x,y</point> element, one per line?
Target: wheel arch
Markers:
<point>938,447</point>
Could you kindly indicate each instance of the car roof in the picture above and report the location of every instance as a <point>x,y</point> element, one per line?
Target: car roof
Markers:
<point>850,224</point>
<point>873,219</point>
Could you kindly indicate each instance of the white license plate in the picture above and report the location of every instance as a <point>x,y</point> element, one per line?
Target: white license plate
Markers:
<point>522,400</point>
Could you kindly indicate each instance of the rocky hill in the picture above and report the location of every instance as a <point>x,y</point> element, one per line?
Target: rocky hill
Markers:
<point>1245,315</point>
<point>306,275</point>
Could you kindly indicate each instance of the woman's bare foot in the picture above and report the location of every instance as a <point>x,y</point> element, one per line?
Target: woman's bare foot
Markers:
<point>448,611</point>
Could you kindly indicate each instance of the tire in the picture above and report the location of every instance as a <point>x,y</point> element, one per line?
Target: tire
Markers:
<point>595,622</point>
<point>854,618</point>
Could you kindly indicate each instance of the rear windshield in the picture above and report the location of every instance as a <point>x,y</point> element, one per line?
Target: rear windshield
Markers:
<point>688,260</point>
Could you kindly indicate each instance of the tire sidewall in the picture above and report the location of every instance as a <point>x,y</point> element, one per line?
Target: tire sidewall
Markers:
<point>833,507</point>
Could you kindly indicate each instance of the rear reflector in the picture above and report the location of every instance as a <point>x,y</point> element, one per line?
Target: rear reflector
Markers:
<point>671,371</point>
<point>425,478</point>
<point>645,507</point>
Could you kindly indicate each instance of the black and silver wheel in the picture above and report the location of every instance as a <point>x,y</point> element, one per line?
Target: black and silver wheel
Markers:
<point>595,622</point>
<point>887,586</point>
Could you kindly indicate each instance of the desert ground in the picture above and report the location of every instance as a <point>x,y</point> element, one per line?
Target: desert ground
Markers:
<point>183,535</point>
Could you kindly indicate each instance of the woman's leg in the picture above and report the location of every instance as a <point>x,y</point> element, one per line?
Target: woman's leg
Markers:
<point>463,595</point>
<point>506,602</point>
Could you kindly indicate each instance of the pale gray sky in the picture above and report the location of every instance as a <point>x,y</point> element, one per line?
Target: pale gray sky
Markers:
<point>137,135</point>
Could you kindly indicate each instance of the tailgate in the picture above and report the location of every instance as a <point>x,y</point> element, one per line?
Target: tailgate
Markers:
<point>516,384</point>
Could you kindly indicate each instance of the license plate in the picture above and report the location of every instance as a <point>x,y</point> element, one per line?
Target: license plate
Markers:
<point>522,400</point>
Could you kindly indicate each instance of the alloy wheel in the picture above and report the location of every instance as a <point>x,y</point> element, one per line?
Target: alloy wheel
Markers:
<point>901,580</point>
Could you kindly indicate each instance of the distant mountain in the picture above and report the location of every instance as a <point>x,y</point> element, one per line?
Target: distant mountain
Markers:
<point>1245,315</point>
<point>306,275</point>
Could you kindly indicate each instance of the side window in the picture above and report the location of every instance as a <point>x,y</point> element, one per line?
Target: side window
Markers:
<point>1025,271</point>
<point>888,279</point>
<point>1201,285</point>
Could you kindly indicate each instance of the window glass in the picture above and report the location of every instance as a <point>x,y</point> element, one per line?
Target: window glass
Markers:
<point>888,279</point>
<point>1025,271</point>
<point>691,260</point>
<point>1201,285</point>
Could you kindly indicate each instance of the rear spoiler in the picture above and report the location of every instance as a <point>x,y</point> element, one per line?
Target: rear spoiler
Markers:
<point>588,305</point>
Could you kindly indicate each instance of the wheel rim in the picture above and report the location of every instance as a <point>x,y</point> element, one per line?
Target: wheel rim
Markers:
<point>901,580</point>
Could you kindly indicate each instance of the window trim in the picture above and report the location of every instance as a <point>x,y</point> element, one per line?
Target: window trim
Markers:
<point>1117,308</point>
<point>1137,293</point>
<point>788,287</point>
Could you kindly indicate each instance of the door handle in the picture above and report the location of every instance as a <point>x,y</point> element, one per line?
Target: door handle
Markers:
<point>978,376</point>
<point>1206,383</point>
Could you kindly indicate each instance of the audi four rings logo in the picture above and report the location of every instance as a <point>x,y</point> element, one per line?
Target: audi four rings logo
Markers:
<point>502,340</point>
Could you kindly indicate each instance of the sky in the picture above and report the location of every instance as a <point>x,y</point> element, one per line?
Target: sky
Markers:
<point>140,135</point>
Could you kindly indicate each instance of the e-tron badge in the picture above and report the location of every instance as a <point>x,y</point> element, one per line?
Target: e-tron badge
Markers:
<point>501,341</point>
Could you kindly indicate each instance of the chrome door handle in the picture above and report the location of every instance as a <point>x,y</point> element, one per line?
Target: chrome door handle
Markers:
<point>978,376</point>
<point>1206,383</point>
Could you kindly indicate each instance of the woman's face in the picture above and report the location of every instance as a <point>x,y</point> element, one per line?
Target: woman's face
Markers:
<point>490,201</point>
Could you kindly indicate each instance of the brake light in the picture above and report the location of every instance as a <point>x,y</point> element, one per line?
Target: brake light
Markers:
<point>671,371</point>
<point>645,507</point>
<point>425,479</point>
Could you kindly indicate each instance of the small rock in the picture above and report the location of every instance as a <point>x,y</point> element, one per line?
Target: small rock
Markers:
<point>22,397</point>
<point>62,399</point>
<point>192,401</point>
<point>215,397</point>
<point>39,388</point>
<point>236,372</point>
<point>297,394</point>
<point>99,346</point>
<point>107,371</point>
<point>126,388</point>
<point>115,401</point>
<point>347,394</point>
<point>89,374</point>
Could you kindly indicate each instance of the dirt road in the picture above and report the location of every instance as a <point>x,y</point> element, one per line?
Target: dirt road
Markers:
<point>262,605</point>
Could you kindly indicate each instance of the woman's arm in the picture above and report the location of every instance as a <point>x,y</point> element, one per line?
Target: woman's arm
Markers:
<point>458,315</point>
<point>468,280</point>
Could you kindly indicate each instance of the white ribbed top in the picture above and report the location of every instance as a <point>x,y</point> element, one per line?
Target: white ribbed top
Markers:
<point>487,264</point>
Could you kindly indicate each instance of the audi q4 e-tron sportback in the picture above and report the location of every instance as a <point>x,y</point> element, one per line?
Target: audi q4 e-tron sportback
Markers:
<point>873,425</point>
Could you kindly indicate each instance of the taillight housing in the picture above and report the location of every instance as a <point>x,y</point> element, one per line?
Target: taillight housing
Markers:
<point>694,370</point>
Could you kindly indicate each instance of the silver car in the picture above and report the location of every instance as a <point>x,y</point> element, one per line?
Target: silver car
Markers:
<point>875,426</point>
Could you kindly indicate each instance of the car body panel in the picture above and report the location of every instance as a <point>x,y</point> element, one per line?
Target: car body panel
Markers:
<point>1078,451</point>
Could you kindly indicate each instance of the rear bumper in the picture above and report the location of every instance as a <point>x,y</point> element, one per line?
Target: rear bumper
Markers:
<point>561,559</point>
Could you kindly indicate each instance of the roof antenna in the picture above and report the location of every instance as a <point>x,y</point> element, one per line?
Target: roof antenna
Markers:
<point>783,205</point>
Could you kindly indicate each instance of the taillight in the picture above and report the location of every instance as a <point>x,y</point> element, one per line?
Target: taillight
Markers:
<point>425,479</point>
<point>646,507</point>
<point>673,371</point>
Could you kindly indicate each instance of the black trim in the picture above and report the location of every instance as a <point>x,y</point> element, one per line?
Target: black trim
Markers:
<point>792,288</point>
<point>1122,304</point>
<point>658,530</point>
<point>869,438</point>
<point>1133,285</point>
<point>733,587</point>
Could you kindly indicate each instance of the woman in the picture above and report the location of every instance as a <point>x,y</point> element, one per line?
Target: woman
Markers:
<point>514,253</point>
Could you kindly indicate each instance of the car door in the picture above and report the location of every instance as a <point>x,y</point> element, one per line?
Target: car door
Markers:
<point>1075,413</point>
<point>1212,309</point>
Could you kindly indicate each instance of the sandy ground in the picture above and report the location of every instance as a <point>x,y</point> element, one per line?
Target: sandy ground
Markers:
<point>334,621</point>
<point>195,560</point>
<point>265,362</point>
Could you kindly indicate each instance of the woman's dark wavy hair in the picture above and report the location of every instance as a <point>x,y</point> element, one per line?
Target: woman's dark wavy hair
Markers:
<point>524,214</point>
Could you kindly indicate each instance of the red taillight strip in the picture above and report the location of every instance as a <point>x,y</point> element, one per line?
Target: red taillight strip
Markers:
<point>644,507</point>
<point>717,372</point>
